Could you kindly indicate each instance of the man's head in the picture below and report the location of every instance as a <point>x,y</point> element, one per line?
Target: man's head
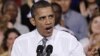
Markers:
<point>10,8</point>
<point>58,12</point>
<point>65,4</point>
<point>43,18</point>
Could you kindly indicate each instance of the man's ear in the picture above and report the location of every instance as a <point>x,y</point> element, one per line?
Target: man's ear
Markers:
<point>32,21</point>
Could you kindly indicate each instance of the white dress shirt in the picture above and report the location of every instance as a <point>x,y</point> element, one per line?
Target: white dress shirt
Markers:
<point>59,27</point>
<point>64,44</point>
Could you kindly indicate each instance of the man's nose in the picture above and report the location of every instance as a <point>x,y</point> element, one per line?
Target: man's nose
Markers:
<point>48,21</point>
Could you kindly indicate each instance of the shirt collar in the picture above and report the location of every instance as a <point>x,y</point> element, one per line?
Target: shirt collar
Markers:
<point>39,37</point>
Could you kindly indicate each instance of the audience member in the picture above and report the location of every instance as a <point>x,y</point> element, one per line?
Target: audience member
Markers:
<point>87,8</point>
<point>3,27</point>
<point>93,39</point>
<point>25,9</point>
<point>9,37</point>
<point>58,15</point>
<point>11,9</point>
<point>73,20</point>
<point>94,36</point>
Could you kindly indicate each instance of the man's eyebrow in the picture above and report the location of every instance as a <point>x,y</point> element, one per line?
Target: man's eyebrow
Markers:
<point>51,15</point>
<point>42,17</point>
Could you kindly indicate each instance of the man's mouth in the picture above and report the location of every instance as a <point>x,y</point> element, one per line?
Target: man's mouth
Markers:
<point>49,29</point>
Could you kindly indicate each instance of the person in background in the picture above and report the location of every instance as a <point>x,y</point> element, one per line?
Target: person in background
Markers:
<point>73,20</point>
<point>58,16</point>
<point>11,10</point>
<point>90,44</point>
<point>87,8</point>
<point>94,45</point>
<point>43,17</point>
<point>94,36</point>
<point>25,9</point>
<point>3,27</point>
<point>9,37</point>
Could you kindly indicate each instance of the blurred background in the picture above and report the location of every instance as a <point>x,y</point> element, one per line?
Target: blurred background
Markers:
<point>81,18</point>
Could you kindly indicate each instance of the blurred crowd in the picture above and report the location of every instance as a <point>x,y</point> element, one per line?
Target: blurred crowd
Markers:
<point>81,18</point>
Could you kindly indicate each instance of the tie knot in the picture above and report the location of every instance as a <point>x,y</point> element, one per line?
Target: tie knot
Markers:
<point>44,40</point>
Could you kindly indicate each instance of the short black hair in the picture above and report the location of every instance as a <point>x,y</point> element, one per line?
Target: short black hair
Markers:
<point>39,4</point>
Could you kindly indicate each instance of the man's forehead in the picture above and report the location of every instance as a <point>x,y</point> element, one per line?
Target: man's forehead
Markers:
<point>45,9</point>
<point>44,12</point>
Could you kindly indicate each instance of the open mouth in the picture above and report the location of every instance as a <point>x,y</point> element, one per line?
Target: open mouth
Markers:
<point>49,29</point>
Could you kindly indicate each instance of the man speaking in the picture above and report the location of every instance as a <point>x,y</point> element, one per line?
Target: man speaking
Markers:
<point>45,40</point>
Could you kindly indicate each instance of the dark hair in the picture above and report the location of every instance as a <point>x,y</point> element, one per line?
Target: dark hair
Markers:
<point>39,4</point>
<point>57,10</point>
<point>4,44</point>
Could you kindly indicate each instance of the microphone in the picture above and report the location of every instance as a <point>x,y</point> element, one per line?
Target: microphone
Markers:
<point>49,50</point>
<point>39,50</point>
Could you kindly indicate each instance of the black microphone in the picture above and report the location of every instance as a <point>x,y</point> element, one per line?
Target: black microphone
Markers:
<point>49,50</point>
<point>39,50</point>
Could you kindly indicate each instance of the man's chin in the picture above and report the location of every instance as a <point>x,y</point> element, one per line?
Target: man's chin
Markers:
<point>48,35</point>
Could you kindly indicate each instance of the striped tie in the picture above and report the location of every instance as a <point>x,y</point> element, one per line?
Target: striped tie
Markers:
<point>44,40</point>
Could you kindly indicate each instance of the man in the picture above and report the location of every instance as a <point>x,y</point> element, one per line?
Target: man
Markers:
<point>11,11</point>
<point>63,44</point>
<point>58,13</point>
<point>73,20</point>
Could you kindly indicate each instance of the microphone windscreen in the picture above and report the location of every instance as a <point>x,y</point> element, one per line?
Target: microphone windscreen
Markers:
<point>40,49</point>
<point>49,49</point>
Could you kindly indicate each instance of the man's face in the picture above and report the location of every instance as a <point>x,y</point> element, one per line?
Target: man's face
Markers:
<point>65,4</point>
<point>12,11</point>
<point>44,21</point>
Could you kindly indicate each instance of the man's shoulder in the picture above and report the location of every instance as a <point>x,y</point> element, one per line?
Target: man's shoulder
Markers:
<point>26,36</point>
<point>65,35</point>
<point>67,38</point>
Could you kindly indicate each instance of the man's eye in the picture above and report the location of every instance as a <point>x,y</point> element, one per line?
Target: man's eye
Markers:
<point>51,16</point>
<point>42,18</point>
